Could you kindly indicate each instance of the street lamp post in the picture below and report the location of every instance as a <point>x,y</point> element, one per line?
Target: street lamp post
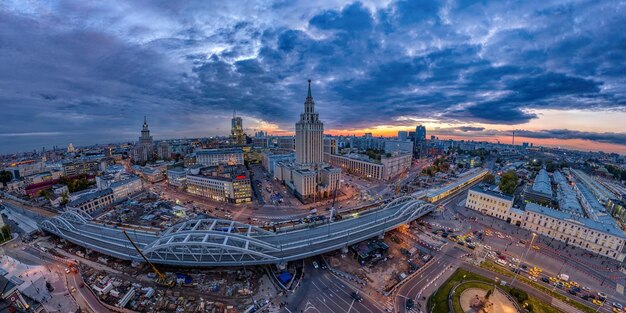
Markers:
<point>517,271</point>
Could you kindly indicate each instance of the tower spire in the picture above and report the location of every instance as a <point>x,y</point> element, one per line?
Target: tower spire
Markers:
<point>309,104</point>
<point>309,94</point>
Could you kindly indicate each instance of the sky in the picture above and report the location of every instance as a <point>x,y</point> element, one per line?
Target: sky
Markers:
<point>87,72</point>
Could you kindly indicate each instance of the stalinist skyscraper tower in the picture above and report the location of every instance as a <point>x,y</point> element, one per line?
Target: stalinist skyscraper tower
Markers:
<point>309,136</point>
<point>309,178</point>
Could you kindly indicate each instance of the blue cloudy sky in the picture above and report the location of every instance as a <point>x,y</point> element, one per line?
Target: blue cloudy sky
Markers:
<point>88,71</point>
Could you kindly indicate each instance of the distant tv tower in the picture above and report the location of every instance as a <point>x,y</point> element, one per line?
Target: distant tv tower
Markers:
<point>513,137</point>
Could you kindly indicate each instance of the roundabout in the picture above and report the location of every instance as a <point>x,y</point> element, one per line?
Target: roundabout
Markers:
<point>478,296</point>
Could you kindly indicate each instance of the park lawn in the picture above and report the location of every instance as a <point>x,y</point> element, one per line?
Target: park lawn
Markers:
<point>504,271</point>
<point>438,302</point>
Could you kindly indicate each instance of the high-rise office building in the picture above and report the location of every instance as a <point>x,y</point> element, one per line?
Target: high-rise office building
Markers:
<point>236,130</point>
<point>420,133</point>
<point>419,141</point>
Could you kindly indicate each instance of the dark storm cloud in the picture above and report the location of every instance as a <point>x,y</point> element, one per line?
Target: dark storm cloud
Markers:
<point>614,138</point>
<point>564,134</point>
<point>94,69</point>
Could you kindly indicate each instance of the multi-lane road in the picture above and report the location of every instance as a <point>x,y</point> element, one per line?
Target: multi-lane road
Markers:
<point>321,291</point>
<point>426,281</point>
<point>31,256</point>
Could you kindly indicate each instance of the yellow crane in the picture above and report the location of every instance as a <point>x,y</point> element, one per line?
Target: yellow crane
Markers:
<point>399,184</point>
<point>161,279</point>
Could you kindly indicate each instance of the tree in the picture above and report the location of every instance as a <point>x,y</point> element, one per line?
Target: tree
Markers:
<point>5,233</point>
<point>518,294</point>
<point>508,182</point>
<point>490,179</point>
<point>550,166</point>
<point>64,199</point>
<point>5,177</point>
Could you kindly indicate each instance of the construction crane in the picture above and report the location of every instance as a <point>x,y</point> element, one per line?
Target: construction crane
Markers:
<point>399,184</point>
<point>161,279</point>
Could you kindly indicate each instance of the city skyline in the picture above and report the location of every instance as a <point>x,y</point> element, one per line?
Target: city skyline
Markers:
<point>551,71</point>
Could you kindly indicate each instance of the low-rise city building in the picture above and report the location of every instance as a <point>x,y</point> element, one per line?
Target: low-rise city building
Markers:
<point>494,204</point>
<point>213,157</point>
<point>150,174</point>
<point>93,201</point>
<point>361,165</point>
<point>123,189</point>
<point>398,146</point>
<point>271,158</point>
<point>177,177</point>
<point>541,190</point>
<point>221,183</point>
<point>80,167</point>
<point>602,237</point>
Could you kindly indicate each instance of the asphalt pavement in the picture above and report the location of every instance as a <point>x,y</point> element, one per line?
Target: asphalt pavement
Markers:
<point>321,291</point>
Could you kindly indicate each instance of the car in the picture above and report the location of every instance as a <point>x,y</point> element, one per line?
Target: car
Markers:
<point>597,302</point>
<point>602,296</point>
<point>323,264</point>
<point>536,248</point>
<point>617,305</point>
<point>67,270</point>
<point>315,265</point>
<point>533,278</point>
<point>356,297</point>
<point>501,262</point>
<point>616,310</point>
<point>409,304</point>
<point>545,280</point>
<point>585,288</point>
<point>73,289</point>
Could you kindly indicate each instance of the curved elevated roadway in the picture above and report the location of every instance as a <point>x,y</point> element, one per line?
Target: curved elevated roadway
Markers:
<point>216,242</point>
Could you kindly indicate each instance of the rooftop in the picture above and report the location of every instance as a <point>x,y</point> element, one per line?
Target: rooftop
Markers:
<point>219,151</point>
<point>542,183</point>
<point>124,182</point>
<point>602,225</point>
<point>464,178</point>
<point>89,197</point>
<point>492,193</point>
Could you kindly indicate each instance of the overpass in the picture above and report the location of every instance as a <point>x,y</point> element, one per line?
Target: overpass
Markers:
<point>217,242</point>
